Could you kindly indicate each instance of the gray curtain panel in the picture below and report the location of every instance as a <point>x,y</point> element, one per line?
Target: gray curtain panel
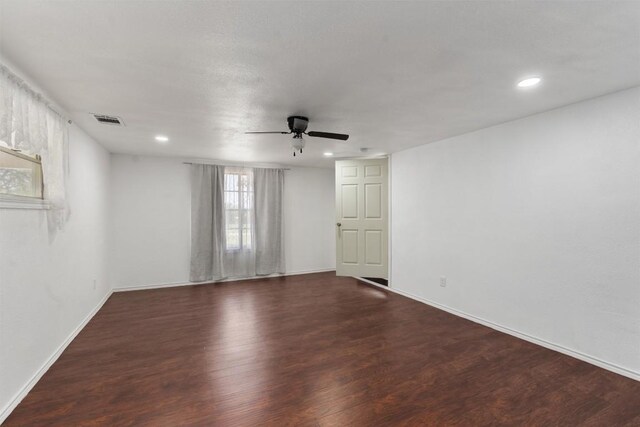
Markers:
<point>269,235</point>
<point>207,222</point>
<point>211,259</point>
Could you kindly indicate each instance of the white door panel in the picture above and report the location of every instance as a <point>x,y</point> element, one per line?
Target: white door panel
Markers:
<point>349,246</point>
<point>350,201</point>
<point>373,201</point>
<point>361,218</point>
<point>372,247</point>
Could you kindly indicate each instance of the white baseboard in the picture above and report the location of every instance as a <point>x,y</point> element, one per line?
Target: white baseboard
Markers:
<point>17,398</point>
<point>6,411</point>
<point>535,340</point>
<point>235,279</point>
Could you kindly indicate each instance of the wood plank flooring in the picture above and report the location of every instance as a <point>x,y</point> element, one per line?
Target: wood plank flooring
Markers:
<point>312,350</point>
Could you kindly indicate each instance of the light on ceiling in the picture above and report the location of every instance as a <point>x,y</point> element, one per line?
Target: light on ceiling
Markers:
<point>162,138</point>
<point>529,82</point>
<point>328,154</point>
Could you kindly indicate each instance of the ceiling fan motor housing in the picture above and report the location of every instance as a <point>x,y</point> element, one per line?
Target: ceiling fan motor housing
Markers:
<point>297,124</point>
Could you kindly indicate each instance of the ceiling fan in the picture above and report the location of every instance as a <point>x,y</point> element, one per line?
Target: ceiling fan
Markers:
<point>298,127</point>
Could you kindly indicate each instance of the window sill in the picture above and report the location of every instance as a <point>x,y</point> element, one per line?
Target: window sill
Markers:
<point>24,203</point>
<point>235,251</point>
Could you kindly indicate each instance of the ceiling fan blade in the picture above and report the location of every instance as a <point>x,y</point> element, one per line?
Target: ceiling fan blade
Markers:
<point>283,133</point>
<point>339,136</point>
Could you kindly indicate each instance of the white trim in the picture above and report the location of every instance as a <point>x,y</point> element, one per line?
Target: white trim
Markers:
<point>389,217</point>
<point>17,398</point>
<point>23,203</point>
<point>535,340</point>
<point>234,279</point>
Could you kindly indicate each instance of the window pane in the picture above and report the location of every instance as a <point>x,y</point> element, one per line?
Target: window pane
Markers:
<point>238,200</point>
<point>244,183</point>
<point>246,238</point>
<point>247,200</point>
<point>19,176</point>
<point>231,200</point>
<point>246,218</point>
<point>230,182</point>
<point>233,239</point>
<point>232,219</point>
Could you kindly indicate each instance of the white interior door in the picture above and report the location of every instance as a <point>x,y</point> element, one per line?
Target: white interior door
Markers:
<point>362,218</point>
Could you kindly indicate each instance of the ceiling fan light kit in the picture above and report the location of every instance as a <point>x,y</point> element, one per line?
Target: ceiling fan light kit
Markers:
<point>297,143</point>
<point>298,127</point>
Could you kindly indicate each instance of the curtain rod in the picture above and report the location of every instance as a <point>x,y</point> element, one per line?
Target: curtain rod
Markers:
<point>232,166</point>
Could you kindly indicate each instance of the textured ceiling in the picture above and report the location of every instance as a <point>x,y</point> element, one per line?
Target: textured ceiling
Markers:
<point>392,74</point>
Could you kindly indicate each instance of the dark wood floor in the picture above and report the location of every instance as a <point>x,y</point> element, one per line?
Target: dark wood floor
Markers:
<point>311,350</point>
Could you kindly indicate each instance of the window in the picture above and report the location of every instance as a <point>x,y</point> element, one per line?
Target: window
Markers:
<point>20,175</point>
<point>238,205</point>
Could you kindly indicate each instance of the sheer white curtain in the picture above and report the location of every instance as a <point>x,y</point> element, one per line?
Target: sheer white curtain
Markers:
<point>238,217</point>
<point>236,222</point>
<point>28,124</point>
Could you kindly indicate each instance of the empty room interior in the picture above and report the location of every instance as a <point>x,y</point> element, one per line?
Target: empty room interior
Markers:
<point>319,213</point>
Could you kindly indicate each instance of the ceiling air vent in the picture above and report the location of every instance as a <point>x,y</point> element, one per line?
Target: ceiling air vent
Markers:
<point>109,120</point>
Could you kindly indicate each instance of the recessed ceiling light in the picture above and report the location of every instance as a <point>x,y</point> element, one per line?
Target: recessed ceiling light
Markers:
<point>328,154</point>
<point>162,138</point>
<point>529,82</point>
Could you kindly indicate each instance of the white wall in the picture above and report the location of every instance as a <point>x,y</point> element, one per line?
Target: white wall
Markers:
<point>535,223</point>
<point>151,220</point>
<point>47,285</point>
<point>309,215</point>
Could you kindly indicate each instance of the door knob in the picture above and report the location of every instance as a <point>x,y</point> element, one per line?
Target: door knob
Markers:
<point>338,224</point>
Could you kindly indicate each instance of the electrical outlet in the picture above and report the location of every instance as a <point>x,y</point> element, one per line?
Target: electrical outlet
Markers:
<point>443,281</point>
